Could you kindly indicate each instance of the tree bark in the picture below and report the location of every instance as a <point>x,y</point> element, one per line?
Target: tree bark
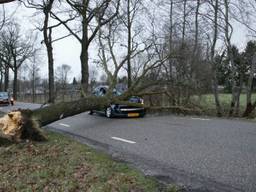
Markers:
<point>15,83</point>
<point>249,106</point>
<point>171,40</point>
<point>239,91</point>
<point>230,56</point>
<point>33,86</point>
<point>129,28</point>
<point>47,32</point>
<point>50,71</point>
<point>33,120</point>
<point>1,81</point>
<point>6,77</point>
<point>184,22</point>
<point>213,63</point>
<point>84,58</point>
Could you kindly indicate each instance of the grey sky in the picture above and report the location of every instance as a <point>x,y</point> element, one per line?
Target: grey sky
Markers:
<point>67,51</point>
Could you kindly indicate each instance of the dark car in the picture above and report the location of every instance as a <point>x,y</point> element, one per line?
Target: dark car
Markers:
<point>117,109</point>
<point>5,98</point>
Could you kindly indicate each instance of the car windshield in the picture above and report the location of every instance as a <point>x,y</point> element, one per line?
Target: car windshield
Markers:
<point>101,91</point>
<point>3,94</point>
<point>117,92</point>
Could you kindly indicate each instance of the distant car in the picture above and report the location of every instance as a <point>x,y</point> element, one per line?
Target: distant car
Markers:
<point>6,99</point>
<point>119,110</point>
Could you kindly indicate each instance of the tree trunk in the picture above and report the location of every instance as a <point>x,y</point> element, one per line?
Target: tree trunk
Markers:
<point>212,60</point>
<point>230,56</point>
<point>129,28</point>
<point>237,110</point>
<point>1,81</point>
<point>6,78</point>
<point>49,48</point>
<point>216,93</point>
<point>249,107</point>
<point>184,22</point>
<point>33,87</point>
<point>15,83</point>
<point>84,58</point>
<point>171,38</point>
<point>194,59</point>
<point>32,120</point>
<point>48,44</point>
<point>84,69</point>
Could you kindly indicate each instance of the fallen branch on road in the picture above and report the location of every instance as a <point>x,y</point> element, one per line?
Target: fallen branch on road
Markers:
<point>25,124</point>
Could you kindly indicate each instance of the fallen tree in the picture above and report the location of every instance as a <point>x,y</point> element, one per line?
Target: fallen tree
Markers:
<point>25,124</point>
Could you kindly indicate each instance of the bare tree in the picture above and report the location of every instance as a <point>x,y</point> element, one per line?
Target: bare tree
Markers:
<point>228,35</point>
<point>250,59</point>
<point>47,31</point>
<point>33,69</point>
<point>132,7</point>
<point>46,7</point>
<point>144,52</point>
<point>18,50</point>
<point>62,77</point>
<point>94,15</point>
<point>215,6</point>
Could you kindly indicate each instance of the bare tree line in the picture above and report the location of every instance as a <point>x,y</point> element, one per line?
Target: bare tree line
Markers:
<point>183,47</point>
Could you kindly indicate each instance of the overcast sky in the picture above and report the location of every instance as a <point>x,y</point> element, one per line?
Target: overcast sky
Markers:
<point>67,51</point>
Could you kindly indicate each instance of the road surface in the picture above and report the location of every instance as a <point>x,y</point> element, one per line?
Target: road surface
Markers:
<point>201,154</point>
<point>19,105</point>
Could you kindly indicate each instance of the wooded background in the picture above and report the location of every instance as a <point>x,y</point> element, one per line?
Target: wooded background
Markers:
<point>171,52</point>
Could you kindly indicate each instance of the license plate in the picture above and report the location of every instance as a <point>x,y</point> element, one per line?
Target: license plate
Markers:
<point>133,114</point>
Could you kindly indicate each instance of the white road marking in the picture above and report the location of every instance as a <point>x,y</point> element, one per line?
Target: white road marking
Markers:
<point>65,125</point>
<point>124,140</point>
<point>202,119</point>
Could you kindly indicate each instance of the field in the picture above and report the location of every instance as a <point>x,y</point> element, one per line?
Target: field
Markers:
<point>62,164</point>
<point>207,103</point>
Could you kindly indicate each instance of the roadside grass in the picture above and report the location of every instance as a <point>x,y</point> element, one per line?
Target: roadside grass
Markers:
<point>62,164</point>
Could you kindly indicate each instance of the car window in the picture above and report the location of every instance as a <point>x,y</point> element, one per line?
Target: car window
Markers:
<point>3,94</point>
<point>103,91</point>
<point>116,92</point>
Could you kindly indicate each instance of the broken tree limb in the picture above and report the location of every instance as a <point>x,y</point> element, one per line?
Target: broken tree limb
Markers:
<point>25,124</point>
<point>61,110</point>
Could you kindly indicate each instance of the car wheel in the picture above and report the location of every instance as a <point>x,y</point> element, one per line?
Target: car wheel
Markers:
<point>108,112</point>
<point>142,115</point>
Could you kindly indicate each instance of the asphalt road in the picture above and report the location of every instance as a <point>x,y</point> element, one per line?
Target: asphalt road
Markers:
<point>202,154</point>
<point>19,105</point>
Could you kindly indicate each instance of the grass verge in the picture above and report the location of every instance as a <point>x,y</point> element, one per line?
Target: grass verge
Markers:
<point>207,103</point>
<point>62,164</point>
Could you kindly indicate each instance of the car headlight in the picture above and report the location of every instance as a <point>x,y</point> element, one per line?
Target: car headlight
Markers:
<point>142,101</point>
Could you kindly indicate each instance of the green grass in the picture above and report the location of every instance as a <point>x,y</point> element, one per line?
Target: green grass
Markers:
<point>207,101</point>
<point>62,164</point>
